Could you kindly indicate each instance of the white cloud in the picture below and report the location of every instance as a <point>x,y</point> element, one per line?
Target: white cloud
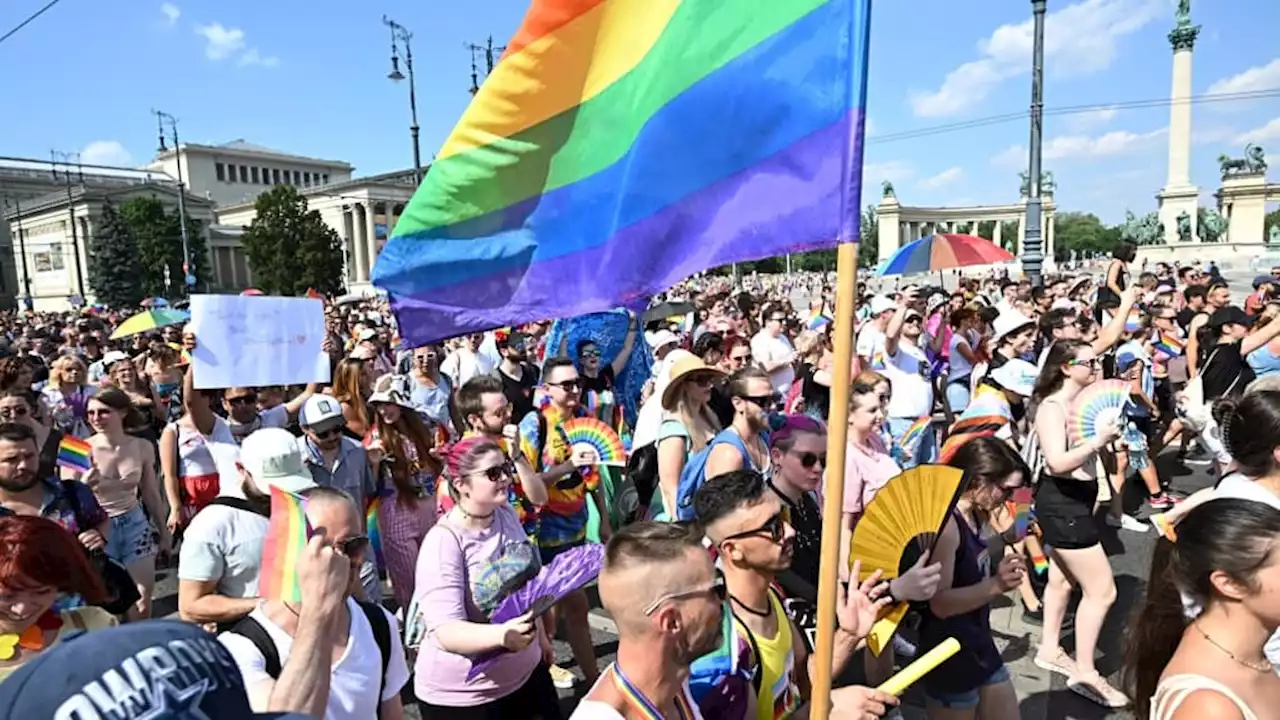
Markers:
<point>1076,147</point>
<point>1079,39</point>
<point>893,171</point>
<point>106,152</point>
<point>253,57</point>
<point>1270,131</point>
<point>220,42</point>
<point>171,13</point>
<point>1263,77</point>
<point>870,128</point>
<point>1080,122</point>
<point>942,179</point>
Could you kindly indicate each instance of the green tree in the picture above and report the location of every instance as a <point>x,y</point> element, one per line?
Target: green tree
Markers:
<point>290,248</point>
<point>158,234</point>
<point>114,271</point>
<point>869,239</point>
<point>1082,232</point>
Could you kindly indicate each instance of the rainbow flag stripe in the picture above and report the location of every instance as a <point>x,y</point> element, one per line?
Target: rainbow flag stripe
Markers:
<point>620,146</point>
<point>1169,344</point>
<point>373,531</point>
<point>287,535</point>
<point>74,454</point>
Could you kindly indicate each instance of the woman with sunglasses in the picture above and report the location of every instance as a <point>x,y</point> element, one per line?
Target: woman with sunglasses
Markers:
<point>146,421</point>
<point>195,450</point>
<point>432,391</point>
<point>19,406</point>
<point>1066,499</point>
<point>67,395</point>
<point>798,455</point>
<point>471,559</point>
<point>123,473</point>
<point>351,386</point>
<point>975,682</point>
<point>688,426</point>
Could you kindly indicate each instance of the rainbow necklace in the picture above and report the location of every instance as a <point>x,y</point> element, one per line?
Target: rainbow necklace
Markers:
<point>647,709</point>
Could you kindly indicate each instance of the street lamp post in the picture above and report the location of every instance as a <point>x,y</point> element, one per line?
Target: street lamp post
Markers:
<point>401,34</point>
<point>488,49</point>
<point>188,270</point>
<point>1032,258</point>
<point>67,158</point>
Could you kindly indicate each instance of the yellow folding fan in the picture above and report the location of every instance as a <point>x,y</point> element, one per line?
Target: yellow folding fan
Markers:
<point>901,523</point>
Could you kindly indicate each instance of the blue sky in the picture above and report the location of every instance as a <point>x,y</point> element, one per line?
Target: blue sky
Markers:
<point>309,78</point>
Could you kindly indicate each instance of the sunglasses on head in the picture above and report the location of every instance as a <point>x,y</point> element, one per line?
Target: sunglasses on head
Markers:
<point>717,587</point>
<point>775,527</point>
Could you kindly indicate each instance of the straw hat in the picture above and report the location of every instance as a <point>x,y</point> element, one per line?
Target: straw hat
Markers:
<point>683,370</point>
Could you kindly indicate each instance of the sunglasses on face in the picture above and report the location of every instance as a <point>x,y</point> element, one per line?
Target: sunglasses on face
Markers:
<point>14,412</point>
<point>775,527</point>
<point>326,434</point>
<point>243,400</point>
<point>353,547</point>
<point>498,473</point>
<point>567,385</point>
<point>717,587</point>
<point>764,402</point>
<point>740,359</point>
<point>590,353</point>
<point>1092,363</point>
<point>808,460</point>
<point>913,320</point>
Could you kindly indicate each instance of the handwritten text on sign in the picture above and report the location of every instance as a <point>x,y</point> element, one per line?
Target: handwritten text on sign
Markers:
<point>253,341</point>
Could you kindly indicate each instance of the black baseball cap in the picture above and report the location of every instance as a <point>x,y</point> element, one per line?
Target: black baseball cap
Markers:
<point>1230,315</point>
<point>162,669</point>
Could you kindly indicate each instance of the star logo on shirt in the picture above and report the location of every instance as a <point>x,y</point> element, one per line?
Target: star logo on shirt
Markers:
<point>170,703</point>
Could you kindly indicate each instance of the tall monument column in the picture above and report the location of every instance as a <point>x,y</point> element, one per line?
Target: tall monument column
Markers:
<point>1179,200</point>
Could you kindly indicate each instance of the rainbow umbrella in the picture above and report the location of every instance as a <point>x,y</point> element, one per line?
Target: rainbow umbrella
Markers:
<point>154,302</point>
<point>149,320</point>
<point>252,292</point>
<point>942,252</point>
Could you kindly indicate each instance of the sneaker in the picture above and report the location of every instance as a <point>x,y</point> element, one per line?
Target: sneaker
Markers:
<point>1097,689</point>
<point>902,648</point>
<point>562,678</point>
<point>1133,524</point>
<point>1161,502</point>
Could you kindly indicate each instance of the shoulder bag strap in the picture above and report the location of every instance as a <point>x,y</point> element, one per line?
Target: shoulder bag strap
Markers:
<point>253,631</point>
<point>382,635</point>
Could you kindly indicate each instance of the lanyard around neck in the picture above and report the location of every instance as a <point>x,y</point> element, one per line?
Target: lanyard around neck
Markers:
<point>642,704</point>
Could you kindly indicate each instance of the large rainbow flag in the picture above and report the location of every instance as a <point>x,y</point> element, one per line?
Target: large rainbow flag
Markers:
<point>620,146</point>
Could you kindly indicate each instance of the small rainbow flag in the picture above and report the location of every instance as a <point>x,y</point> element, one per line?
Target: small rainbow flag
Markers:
<point>1134,321</point>
<point>372,530</point>
<point>287,534</point>
<point>910,439</point>
<point>75,454</point>
<point>817,321</point>
<point>1040,563</point>
<point>1169,344</point>
<point>1022,512</point>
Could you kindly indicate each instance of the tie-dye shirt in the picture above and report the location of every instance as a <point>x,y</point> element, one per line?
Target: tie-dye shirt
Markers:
<point>723,681</point>
<point>563,520</point>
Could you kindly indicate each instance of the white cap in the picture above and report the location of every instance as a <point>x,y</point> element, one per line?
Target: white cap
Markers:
<point>1018,376</point>
<point>393,389</point>
<point>660,338</point>
<point>882,303</point>
<point>1009,321</point>
<point>112,357</point>
<point>321,412</point>
<point>272,457</point>
<point>367,334</point>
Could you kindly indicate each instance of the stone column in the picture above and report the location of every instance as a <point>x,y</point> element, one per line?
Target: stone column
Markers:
<point>85,232</point>
<point>995,234</point>
<point>889,219</point>
<point>361,223</point>
<point>371,238</point>
<point>1179,195</point>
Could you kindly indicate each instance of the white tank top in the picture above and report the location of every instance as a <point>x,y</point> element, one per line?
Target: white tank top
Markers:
<point>1174,689</point>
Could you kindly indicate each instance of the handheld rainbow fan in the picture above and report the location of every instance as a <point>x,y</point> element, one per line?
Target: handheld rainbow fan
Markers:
<point>1097,406</point>
<point>597,435</point>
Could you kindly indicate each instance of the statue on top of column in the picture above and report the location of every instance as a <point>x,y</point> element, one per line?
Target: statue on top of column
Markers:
<point>886,189</point>
<point>1183,14</point>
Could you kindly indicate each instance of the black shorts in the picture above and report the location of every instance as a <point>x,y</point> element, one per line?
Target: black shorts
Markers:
<point>1068,532</point>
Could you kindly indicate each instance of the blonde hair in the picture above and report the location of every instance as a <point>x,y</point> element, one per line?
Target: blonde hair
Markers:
<point>57,372</point>
<point>808,345</point>
<point>347,386</point>
<point>700,422</point>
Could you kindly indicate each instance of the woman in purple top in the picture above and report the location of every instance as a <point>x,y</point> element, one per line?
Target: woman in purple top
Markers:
<point>974,682</point>
<point>471,559</point>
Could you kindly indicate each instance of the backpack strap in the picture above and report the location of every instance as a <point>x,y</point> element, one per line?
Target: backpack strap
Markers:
<point>382,635</point>
<point>542,438</point>
<point>253,631</point>
<point>238,504</point>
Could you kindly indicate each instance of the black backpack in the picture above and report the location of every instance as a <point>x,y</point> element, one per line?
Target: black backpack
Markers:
<point>253,631</point>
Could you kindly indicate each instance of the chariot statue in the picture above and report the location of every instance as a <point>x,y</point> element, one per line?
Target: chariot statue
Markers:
<point>886,189</point>
<point>1147,230</point>
<point>1254,162</point>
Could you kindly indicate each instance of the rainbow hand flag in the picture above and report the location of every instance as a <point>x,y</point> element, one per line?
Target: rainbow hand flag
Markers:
<point>74,454</point>
<point>911,437</point>
<point>372,529</point>
<point>1169,344</point>
<point>1022,512</point>
<point>287,535</point>
<point>620,146</point>
<point>1040,562</point>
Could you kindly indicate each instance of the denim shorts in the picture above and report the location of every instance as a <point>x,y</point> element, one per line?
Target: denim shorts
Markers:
<point>131,538</point>
<point>968,699</point>
<point>1135,441</point>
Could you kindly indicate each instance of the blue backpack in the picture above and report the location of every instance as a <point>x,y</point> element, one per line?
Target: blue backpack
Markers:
<point>695,471</point>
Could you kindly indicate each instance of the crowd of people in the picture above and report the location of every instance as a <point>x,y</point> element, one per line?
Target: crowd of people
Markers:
<point>712,531</point>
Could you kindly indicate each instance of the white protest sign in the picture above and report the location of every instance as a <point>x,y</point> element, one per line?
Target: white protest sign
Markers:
<point>253,341</point>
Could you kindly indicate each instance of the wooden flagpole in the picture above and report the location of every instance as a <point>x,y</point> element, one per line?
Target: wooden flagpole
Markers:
<point>833,487</point>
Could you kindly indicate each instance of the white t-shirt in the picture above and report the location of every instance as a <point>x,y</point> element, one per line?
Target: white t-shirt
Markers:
<point>870,341</point>
<point>275,417</point>
<point>353,689</point>
<point>224,544</point>
<point>908,373</point>
<point>596,710</point>
<point>766,348</point>
<point>463,364</point>
<point>1239,487</point>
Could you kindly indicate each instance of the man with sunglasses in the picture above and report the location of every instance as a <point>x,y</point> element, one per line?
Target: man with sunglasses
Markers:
<point>519,377</point>
<point>772,350</point>
<point>748,527</point>
<point>906,366</point>
<point>339,462</point>
<point>285,650</point>
<point>245,415</point>
<point>571,483</point>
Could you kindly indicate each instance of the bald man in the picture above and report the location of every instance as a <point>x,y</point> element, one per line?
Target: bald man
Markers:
<point>660,587</point>
<point>327,656</point>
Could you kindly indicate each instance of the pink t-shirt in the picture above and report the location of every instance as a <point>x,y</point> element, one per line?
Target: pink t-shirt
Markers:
<point>866,469</point>
<point>451,559</point>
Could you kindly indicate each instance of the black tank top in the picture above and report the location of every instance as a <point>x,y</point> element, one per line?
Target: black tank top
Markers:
<point>978,658</point>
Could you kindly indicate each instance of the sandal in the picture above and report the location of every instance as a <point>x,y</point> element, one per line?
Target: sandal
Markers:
<point>1060,663</point>
<point>1096,688</point>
